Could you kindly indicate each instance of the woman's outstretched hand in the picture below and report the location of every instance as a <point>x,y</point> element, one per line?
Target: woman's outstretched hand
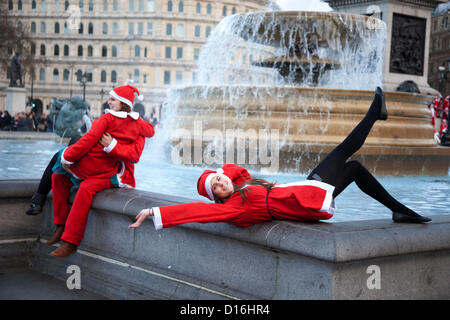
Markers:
<point>141,217</point>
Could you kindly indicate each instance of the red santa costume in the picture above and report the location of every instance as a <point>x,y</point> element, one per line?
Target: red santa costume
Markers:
<point>308,200</point>
<point>98,167</point>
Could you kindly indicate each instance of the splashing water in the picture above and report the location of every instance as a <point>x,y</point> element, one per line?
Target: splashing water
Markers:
<point>251,63</point>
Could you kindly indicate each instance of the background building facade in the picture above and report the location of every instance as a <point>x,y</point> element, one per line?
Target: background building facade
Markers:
<point>106,43</point>
<point>439,74</point>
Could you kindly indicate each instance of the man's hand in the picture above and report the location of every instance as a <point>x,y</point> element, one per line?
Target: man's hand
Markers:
<point>106,139</point>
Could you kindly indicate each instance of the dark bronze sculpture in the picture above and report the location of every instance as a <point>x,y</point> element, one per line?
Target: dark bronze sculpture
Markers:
<point>16,72</point>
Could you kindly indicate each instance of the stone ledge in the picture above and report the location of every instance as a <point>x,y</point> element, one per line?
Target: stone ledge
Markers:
<point>272,260</point>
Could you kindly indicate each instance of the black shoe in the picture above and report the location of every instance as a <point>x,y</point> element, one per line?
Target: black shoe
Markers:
<point>383,111</point>
<point>36,204</point>
<point>406,218</point>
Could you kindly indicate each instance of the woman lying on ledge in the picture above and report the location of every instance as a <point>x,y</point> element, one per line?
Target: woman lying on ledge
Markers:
<point>243,201</point>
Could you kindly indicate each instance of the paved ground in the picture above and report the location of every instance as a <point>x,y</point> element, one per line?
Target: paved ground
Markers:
<point>27,284</point>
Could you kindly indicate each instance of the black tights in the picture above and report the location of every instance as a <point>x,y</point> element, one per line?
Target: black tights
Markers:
<point>338,172</point>
<point>45,185</point>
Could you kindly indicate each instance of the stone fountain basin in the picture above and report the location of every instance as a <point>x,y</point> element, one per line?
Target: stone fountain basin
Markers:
<point>312,121</point>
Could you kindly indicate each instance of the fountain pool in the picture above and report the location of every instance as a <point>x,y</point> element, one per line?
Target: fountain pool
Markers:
<point>27,159</point>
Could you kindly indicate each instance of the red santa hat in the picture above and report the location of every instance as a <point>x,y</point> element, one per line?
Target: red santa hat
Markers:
<point>126,95</point>
<point>231,172</point>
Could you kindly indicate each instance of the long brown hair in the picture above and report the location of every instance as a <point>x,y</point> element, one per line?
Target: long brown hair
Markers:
<point>243,190</point>
<point>125,107</point>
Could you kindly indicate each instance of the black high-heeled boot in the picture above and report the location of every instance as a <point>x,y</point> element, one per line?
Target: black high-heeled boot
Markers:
<point>383,111</point>
<point>36,204</point>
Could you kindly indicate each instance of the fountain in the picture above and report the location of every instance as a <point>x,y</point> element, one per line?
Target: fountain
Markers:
<point>309,77</point>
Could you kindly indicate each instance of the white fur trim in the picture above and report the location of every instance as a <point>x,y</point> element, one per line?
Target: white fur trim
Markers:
<point>123,114</point>
<point>116,96</point>
<point>140,97</point>
<point>63,160</point>
<point>111,146</point>
<point>328,204</point>
<point>157,221</point>
<point>208,185</point>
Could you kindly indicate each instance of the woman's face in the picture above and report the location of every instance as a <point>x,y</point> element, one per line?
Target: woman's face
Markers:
<point>114,104</point>
<point>222,188</point>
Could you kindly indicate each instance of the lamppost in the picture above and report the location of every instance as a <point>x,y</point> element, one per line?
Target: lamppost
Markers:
<point>83,83</point>
<point>102,93</point>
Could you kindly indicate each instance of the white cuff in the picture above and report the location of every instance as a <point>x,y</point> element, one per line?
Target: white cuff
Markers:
<point>64,161</point>
<point>111,146</point>
<point>157,218</point>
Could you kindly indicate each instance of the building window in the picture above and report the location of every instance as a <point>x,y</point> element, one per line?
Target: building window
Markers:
<point>141,5</point>
<point>33,5</point>
<point>43,5</point>
<point>181,6</point>
<point>42,51</point>
<point>43,27</point>
<point>130,28</point>
<point>180,30</point>
<point>137,51</point>
<point>209,9</point>
<point>105,5</point>
<point>66,50</point>
<point>168,29</point>
<point>168,53</point>
<point>33,49</point>
<point>131,5</point>
<point>179,77</point>
<point>197,31</point>
<point>10,5</point>
<point>80,28</point>
<point>115,5</point>
<point>66,28</point>
<point>90,28</point>
<point>90,52</point>
<point>81,5</point>
<point>196,53</point>
<point>198,8</point>
<point>57,6</point>
<point>136,75</point>
<point>66,5</point>
<point>233,10</point>
<point>179,53</point>
<point>115,28</point>
<point>33,27</point>
<point>89,75</point>
<point>105,28</point>
<point>19,5</point>
<point>56,50</point>
<point>103,76</point>
<point>42,74</point>
<point>150,5</point>
<point>113,76</point>
<point>55,75</point>
<point>224,11</point>
<point>56,27</point>
<point>150,28</point>
<point>169,6</point>
<point>145,79</point>
<point>166,77</point>
<point>104,51</point>
<point>114,51</point>
<point>207,31</point>
<point>140,28</point>
<point>79,74</point>
<point>80,51</point>
<point>145,52</point>
<point>91,5</point>
<point>66,75</point>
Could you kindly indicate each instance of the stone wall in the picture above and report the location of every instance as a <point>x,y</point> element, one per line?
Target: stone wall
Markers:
<point>374,259</point>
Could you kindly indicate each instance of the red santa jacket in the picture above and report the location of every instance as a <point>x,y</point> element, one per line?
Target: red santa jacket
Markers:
<point>308,200</point>
<point>89,155</point>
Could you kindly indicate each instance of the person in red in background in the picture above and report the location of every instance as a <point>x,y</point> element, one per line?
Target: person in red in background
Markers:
<point>256,200</point>
<point>437,106</point>
<point>93,167</point>
<point>444,117</point>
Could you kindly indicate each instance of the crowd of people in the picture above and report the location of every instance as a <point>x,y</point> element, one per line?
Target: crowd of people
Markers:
<point>439,119</point>
<point>25,121</point>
